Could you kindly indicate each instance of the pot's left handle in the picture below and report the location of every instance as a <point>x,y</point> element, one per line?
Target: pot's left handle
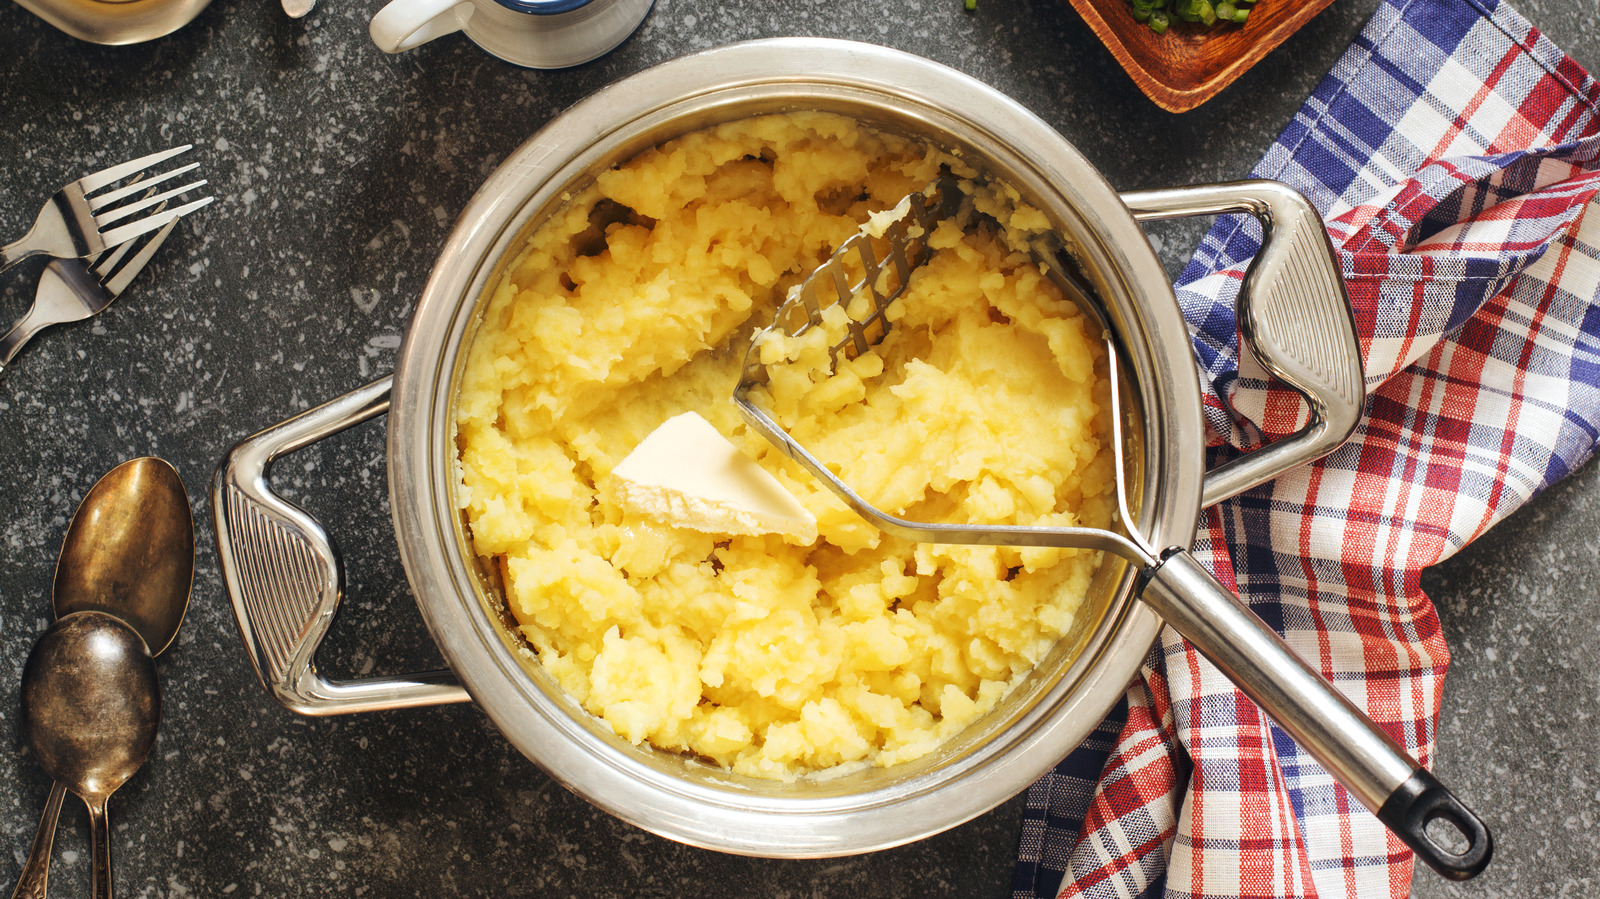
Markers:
<point>284,575</point>
<point>1294,315</point>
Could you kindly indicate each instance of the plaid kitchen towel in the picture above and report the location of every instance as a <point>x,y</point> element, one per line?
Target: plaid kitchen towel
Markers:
<point>1452,152</point>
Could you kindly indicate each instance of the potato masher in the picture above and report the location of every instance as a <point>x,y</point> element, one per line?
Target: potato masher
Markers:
<point>1296,316</point>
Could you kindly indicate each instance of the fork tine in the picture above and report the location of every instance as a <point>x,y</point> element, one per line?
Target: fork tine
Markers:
<point>150,222</point>
<point>122,212</point>
<point>90,183</point>
<point>106,199</point>
<point>104,264</point>
<point>106,259</point>
<point>123,278</point>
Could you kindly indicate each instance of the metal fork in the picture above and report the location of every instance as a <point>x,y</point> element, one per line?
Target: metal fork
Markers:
<point>74,224</point>
<point>73,289</point>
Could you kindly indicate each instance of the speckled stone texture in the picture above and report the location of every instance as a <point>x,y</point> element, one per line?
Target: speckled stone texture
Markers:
<point>339,172</point>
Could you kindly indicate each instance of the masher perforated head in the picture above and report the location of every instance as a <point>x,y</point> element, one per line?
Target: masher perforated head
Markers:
<point>865,276</point>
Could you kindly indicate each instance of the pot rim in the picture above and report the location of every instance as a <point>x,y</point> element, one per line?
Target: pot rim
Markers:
<point>692,802</point>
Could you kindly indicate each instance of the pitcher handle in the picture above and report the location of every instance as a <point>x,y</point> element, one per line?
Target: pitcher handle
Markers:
<point>284,575</point>
<point>1294,315</point>
<point>407,24</point>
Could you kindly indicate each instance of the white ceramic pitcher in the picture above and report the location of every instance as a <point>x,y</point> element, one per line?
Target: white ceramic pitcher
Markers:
<point>538,34</point>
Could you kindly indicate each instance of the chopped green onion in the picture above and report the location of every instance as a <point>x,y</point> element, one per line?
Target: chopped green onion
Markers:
<point>1158,14</point>
<point>972,5</point>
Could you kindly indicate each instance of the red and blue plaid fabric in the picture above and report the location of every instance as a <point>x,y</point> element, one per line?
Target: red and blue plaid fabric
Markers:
<point>1453,153</point>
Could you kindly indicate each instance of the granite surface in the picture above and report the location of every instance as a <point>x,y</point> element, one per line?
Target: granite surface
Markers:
<point>338,172</point>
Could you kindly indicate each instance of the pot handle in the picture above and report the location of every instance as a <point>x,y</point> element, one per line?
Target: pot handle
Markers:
<point>1405,796</point>
<point>284,575</point>
<point>1294,315</point>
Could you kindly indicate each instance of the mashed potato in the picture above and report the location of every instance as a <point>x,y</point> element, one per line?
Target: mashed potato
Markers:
<point>635,303</point>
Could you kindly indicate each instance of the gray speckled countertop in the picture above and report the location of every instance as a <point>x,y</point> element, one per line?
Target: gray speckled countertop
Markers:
<point>338,172</point>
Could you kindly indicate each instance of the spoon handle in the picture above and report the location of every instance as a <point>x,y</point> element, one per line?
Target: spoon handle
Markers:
<point>99,848</point>
<point>31,883</point>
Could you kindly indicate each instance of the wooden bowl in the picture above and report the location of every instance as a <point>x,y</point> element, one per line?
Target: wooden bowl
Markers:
<point>1189,64</point>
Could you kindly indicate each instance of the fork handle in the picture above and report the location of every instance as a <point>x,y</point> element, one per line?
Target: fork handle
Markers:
<point>20,333</point>
<point>13,253</point>
<point>48,234</point>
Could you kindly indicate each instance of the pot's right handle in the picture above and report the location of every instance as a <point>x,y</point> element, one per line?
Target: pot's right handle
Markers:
<point>1293,313</point>
<point>1405,796</point>
<point>284,575</point>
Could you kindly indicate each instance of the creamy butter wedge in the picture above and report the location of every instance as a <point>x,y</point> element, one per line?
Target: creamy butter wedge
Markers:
<point>685,474</point>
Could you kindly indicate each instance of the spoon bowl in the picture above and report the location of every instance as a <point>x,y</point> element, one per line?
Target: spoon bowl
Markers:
<point>90,702</point>
<point>91,705</point>
<point>129,551</point>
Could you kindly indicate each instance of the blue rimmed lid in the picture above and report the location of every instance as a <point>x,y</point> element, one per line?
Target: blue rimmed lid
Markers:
<point>544,7</point>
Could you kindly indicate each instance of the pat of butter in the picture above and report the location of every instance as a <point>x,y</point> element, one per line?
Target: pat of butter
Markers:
<point>687,475</point>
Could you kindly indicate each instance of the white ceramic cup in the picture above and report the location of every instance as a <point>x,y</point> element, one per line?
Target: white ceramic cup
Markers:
<point>538,34</point>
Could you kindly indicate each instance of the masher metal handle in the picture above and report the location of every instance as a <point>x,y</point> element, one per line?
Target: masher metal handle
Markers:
<point>284,575</point>
<point>1405,796</point>
<point>1294,315</point>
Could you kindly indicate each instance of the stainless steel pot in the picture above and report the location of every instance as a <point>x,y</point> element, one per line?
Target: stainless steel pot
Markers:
<point>284,576</point>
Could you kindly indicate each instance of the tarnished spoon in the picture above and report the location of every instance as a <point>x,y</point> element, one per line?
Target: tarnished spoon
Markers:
<point>90,707</point>
<point>130,552</point>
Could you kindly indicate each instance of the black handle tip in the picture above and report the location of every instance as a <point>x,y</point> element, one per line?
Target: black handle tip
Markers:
<point>1420,801</point>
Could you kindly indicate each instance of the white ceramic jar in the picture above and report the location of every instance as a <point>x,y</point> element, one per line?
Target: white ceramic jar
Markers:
<point>537,34</point>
